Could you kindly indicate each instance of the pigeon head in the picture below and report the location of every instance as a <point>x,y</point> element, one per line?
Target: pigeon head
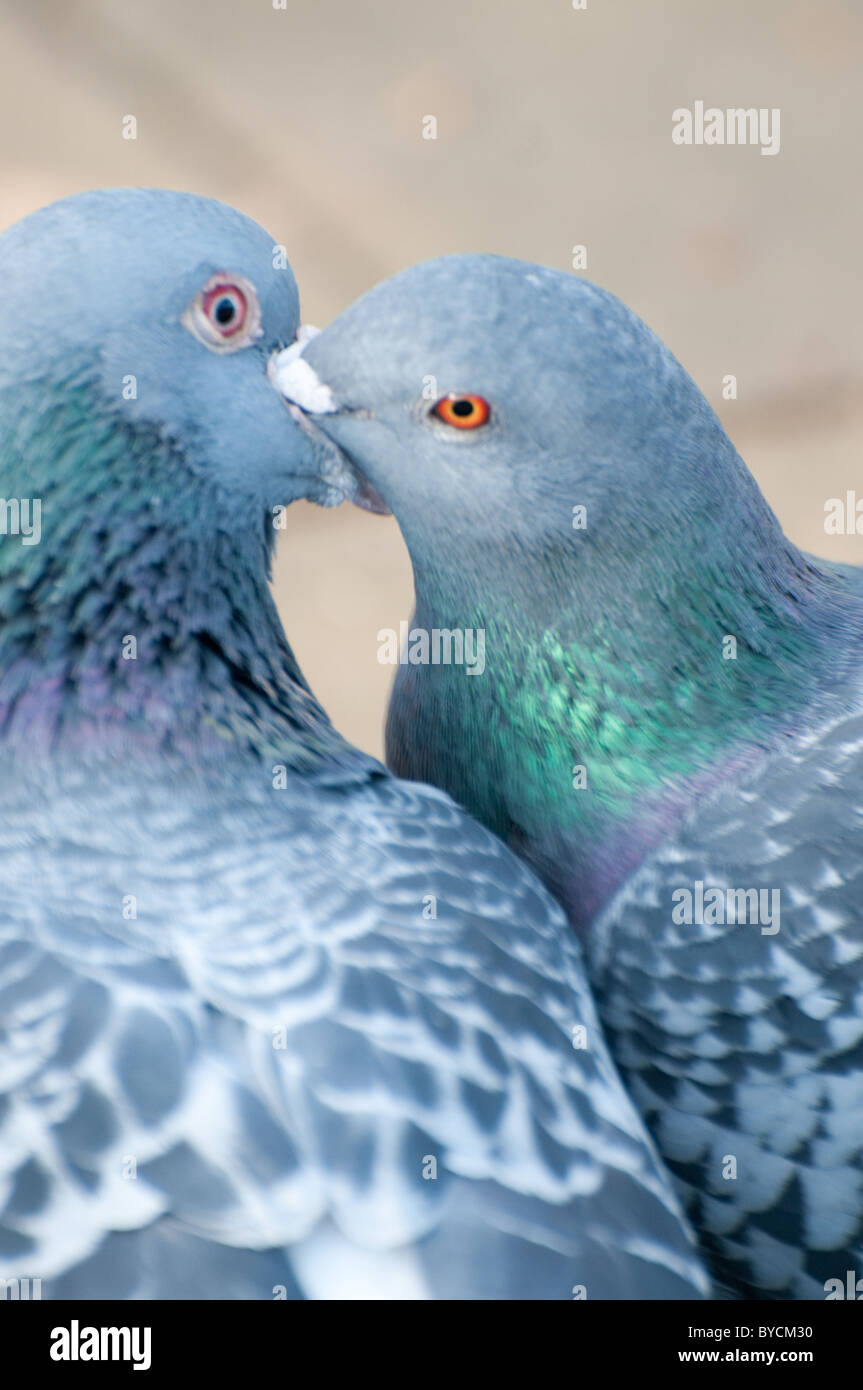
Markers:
<point>550,461</point>
<point>145,458</point>
<point>158,312</point>
<point>488,399</point>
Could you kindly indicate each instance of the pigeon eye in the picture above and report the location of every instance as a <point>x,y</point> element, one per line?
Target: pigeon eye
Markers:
<point>225,315</point>
<point>462,411</point>
<point>225,307</point>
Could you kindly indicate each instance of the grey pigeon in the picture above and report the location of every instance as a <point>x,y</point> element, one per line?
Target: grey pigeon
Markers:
<point>273,1024</point>
<point>671,690</point>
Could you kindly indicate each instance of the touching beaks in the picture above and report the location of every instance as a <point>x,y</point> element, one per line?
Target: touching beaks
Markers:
<point>299,383</point>
<point>306,395</point>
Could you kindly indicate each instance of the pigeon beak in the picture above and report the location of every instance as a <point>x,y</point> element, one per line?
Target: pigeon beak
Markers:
<point>306,395</point>
<point>299,383</point>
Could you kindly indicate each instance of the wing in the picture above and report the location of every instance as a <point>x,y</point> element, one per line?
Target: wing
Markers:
<point>743,1044</point>
<point>352,1057</point>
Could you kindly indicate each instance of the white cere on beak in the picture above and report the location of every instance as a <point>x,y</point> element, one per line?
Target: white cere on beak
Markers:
<point>297,381</point>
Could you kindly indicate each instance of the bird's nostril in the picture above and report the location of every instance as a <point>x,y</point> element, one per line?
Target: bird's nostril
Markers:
<point>299,382</point>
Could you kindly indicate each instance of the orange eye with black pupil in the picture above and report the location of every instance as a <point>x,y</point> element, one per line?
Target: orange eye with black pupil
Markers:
<point>461,411</point>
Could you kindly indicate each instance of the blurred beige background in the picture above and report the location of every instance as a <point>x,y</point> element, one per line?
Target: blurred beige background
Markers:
<point>554,129</point>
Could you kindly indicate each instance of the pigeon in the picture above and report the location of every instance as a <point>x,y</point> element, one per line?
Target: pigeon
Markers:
<point>667,725</point>
<point>274,1024</point>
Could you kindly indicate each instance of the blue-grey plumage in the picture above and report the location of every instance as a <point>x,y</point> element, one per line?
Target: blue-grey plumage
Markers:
<point>740,1030</point>
<point>272,1023</point>
<point>670,688</point>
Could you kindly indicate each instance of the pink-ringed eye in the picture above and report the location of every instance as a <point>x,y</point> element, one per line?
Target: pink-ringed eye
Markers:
<point>225,314</point>
<point>225,307</point>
